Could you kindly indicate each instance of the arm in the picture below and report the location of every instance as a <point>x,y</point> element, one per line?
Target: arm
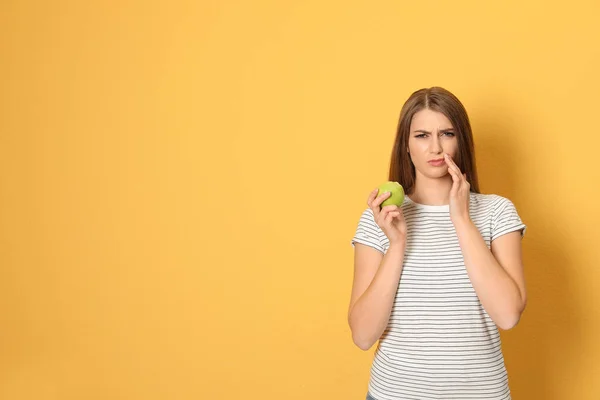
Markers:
<point>376,279</point>
<point>497,275</point>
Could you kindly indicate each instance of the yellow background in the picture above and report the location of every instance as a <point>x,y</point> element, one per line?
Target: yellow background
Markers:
<point>180,181</point>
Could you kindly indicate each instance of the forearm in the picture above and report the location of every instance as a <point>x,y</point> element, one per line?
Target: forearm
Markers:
<point>371,312</point>
<point>498,292</point>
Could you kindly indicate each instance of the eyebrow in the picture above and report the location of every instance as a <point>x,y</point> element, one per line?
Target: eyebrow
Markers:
<point>441,130</point>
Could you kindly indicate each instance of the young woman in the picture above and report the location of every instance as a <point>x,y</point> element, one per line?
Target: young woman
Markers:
<point>435,278</point>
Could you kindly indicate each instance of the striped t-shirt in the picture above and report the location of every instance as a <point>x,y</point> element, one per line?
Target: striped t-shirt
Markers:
<point>439,343</point>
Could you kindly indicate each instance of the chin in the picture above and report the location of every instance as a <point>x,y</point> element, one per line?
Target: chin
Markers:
<point>434,175</point>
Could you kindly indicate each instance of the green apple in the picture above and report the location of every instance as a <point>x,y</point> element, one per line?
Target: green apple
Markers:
<point>397,193</point>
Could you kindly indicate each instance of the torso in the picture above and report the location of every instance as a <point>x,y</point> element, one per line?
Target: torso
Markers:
<point>439,342</point>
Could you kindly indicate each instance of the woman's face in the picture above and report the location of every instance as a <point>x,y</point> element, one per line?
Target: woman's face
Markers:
<point>431,135</point>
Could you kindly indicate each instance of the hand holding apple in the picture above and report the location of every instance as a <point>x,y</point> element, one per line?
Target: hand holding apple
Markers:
<point>385,202</point>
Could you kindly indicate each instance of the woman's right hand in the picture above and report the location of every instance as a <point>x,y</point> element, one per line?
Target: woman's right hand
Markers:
<point>389,218</point>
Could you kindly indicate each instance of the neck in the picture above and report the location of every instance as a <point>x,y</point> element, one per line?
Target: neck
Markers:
<point>432,191</point>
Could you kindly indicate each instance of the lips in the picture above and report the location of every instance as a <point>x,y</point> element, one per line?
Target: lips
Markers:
<point>437,163</point>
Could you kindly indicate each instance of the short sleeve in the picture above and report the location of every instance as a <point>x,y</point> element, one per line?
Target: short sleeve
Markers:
<point>368,232</point>
<point>506,219</point>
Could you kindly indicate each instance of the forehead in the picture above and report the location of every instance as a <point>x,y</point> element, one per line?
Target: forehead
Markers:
<point>430,120</point>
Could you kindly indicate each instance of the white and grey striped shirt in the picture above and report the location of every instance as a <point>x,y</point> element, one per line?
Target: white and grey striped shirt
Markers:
<point>439,343</point>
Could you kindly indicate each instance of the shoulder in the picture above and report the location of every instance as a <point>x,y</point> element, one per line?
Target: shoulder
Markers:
<point>491,207</point>
<point>490,201</point>
<point>498,208</point>
<point>367,221</point>
<point>367,215</point>
<point>369,233</point>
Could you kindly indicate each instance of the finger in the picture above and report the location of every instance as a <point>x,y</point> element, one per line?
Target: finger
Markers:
<point>451,164</point>
<point>381,218</point>
<point>389,208</point>
<point>381,198</point>
<point>373,203</point>
<point>391,212</point>
<point>381,213</point>
<point>455,177</point>
<point>466,183</point>
<point>455,167</point>
<point>389,221</point>
<point>456,181</point>
<point>457,172</point>
<point>397,213</point>
<point>372,196</point>
<point>388,218</point>
<point>452,171</point>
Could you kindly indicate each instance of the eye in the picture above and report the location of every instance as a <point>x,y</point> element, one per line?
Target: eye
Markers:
<point>422,135</point>
<point>450,134</point>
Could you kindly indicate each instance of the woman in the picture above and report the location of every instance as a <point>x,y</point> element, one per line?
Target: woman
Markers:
<point>435,278</point>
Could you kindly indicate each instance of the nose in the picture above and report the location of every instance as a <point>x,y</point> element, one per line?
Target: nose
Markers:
<point>435,145</point>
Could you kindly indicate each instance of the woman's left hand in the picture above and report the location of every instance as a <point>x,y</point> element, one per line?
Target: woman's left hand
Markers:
<point>459,194</point>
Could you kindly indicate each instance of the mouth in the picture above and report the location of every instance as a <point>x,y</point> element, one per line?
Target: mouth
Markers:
<point>437,163</point>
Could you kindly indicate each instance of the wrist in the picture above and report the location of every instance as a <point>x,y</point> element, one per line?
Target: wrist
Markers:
<point>398,245</point>
<point>462,222</point>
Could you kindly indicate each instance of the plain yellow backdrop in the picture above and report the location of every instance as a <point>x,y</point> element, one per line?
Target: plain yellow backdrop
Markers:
<point>180,181</point>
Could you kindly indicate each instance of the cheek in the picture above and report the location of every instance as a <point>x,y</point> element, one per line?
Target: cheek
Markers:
<point>417,147</point>
<point>417,152</point>
<point>451,147</point>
